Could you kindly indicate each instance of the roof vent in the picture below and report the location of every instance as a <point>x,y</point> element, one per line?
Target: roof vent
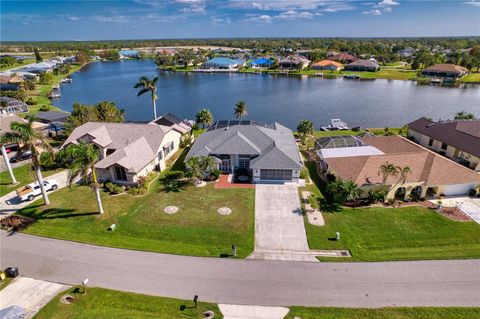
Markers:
<point>226,128</point>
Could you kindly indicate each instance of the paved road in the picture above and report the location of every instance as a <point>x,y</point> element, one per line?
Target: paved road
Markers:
<point>10,203</point>
<point>257,282</point>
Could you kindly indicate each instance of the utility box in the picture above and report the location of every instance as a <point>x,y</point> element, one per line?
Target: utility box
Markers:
<point>11,272</point>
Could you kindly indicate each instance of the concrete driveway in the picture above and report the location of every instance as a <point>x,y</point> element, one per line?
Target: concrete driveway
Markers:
<point>470,206</point>
<point>30,294</point>
<point>279,226</point>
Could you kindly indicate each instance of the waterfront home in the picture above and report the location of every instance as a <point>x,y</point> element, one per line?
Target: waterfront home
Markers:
<point>261,63</point>
<point>296,62</point>
<point>363,65</point>
<point>127,150</point>
<point>264,152</point>
<point>128,54</point>
<point>223,63</point>
<point>343,58</point>
<point>10,83</point>
<point>458,139</point>
<point>445,70</point>
<point>171,120</point>
<point>9,106</point>
<point>359,159</point>
<point>327,65</point>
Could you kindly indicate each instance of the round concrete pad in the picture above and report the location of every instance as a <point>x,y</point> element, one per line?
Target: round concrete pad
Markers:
<point>224,211</point>
<point>170,210</point>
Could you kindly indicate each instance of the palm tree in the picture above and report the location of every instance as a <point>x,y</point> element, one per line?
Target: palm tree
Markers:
<point>148,85</point>
<point>28,139</point>
<point>194,165</point>
<point>204,117</point>
<point>240,110</point>
<point>305,127</point>
<point>84,158</point>
<point>208,163</point>
<point>387,170</point>
<point>350,190</point>
<point>402,172</point>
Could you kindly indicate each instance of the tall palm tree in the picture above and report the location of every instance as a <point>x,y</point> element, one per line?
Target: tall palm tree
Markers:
<point>305,127</point>
<point>28,139</point>
<point>149,85</point>
<point>204,117</point>
<point>387,170</point>
<point>240,110</point>
<point>84,158</point>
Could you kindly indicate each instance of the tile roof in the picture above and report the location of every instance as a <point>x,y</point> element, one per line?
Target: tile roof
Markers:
<point>135,145</point>
<point>327,62</point>
<point>446,67</point>
<point>342,57</point>
<point>274,144</point>
<point>426,166</point>
<point>461,134</point>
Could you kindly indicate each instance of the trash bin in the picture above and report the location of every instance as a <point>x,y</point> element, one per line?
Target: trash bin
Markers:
<point>11,272</point>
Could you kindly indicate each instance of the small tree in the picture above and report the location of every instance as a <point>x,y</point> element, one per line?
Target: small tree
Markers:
<point>386,170</point>
<point>240,110</point>
<point>304,128</point>
<point>38,57</point>
<point>194,166</point>
<point>204,117</point>
<point>464,116</point>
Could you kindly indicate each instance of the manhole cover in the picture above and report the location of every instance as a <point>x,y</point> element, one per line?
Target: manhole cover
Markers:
<point>224,211</point>
<point>170,210</point>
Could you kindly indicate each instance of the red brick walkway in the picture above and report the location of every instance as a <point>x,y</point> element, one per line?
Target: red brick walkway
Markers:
<point>223,183</point>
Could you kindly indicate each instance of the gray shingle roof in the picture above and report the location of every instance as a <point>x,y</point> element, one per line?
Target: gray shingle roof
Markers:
<point>135,145</point>
<point>274,144</point>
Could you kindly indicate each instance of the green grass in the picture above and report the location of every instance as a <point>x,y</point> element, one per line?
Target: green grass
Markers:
<point>471,78</point>
<point>384,234</point>
<point>23,175</point>
<point>4,283</point>
<point>384,313</point>
<point>197,229</point>
<point>103,303</point>
<point>17,64</point>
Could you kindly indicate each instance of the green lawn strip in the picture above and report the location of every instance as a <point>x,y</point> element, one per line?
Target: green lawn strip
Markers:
<point>197,229</point>
<point>24,176</point>
<point>471,78</point>
<point>387,234</point>
<point>17,65</point>
<point>4,283</point>
<point>104,303</point>
<point>384,313</point>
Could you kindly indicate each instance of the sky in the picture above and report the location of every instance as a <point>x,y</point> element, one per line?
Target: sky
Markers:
<point>149,19</point>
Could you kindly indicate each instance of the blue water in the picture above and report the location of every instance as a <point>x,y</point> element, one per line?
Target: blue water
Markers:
<point>287,100</point>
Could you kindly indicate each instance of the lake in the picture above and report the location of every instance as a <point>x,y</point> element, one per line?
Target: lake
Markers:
<point>285,99</point>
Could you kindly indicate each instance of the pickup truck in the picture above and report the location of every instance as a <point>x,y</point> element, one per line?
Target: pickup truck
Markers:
<point>30,191</point>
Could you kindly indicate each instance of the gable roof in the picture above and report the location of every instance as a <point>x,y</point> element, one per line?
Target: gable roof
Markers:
<point>446,67</point>
<point>364,63</point>
<point>426,166</point>
<point>135,145</point>
<point>327,62</point>
<point>273,144</point>
<point>461,134</point>
<point>172,120</point>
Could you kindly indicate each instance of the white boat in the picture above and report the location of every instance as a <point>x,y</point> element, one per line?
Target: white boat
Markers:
<point>66,80</point>
<point>335,125</point>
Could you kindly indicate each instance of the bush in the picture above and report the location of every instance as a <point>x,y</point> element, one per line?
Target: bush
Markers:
<point>137,191</point>
<point>114,188</point>
<point>377,195</point>
<point>216,173</point>
<point>45,108</point>
<point>31,101</point>
<point>48,161</point>
<point>304,173</point>
<point>174,175</point>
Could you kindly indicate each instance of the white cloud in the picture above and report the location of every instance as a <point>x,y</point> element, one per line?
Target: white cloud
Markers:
<point>221,20</point>
<point>375,12</point>
<point>473,3</point>
<point>260,18</point>
<point>385,3</point>
<point>292,14</point>
<point>387,10</point>
<point>73,18</point>
<point>189,1</point>
<point>193,9</point>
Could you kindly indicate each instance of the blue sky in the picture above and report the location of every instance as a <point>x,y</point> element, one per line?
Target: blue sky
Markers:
<point>149,19</point>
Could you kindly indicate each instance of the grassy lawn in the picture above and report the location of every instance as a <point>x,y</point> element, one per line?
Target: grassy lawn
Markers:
<point>104,303</point>
<point>384,313</point>
<point>197,229</point>
<point>23,175</point>
<point>471,78</point>
<point>17,64</point>
<point>4,283</point>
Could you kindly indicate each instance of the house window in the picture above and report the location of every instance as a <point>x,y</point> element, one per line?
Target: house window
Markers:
<point>244,161</point>
<point>444,146</point>
<point>168,149</point>
<point>430,142</point>
<point>160,155</point>
<point>120,173</point>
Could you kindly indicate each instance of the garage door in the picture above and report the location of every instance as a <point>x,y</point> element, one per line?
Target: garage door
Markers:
<point>276,174</point>
<point>460,189</point>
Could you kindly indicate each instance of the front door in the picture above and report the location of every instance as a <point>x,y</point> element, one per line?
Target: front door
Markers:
<point>120,173</point>
<point>226,166</point>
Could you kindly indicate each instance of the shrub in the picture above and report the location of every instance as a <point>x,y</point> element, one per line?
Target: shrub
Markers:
<point>137,191</point>
<point>215,173</point>
<point>377,195</point>
<point>304,173</point>
<point>47,160</point>
<point>45,108</point>
<point>31,101</point>
<point>174,175</point>
<point>114,188</point>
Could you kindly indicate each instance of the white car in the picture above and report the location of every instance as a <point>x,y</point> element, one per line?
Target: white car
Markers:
<point>30,191</point>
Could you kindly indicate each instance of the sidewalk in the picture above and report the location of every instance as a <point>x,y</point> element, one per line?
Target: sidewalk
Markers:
<point>252,312</point>
<point>10,203</point>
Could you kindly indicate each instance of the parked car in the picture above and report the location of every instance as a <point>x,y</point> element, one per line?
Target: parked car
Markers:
<point>24,156</point>
<point>11,148</point>
<point>30,191</point>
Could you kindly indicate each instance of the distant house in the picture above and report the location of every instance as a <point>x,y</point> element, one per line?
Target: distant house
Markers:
<point>48,117</point>
<point>127,151</point>
<point>327,65</point>
<point>297,62</point>
<point>362,65</point>
<point>261,63</point>
<point>223,63</point>
<point>128,54</point>
<point>171,120</point>
<point>10,83</point>
<point>445,70</point>
<point>406,53</point>
<point>343,57</point>
<point>458,139</point>
<point>9,106</point>
<point>359,159</point>
<point>268,152</point>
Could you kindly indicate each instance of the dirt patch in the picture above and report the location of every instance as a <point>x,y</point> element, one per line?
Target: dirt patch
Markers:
<point>454,213</point>
<point>16,222</point>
